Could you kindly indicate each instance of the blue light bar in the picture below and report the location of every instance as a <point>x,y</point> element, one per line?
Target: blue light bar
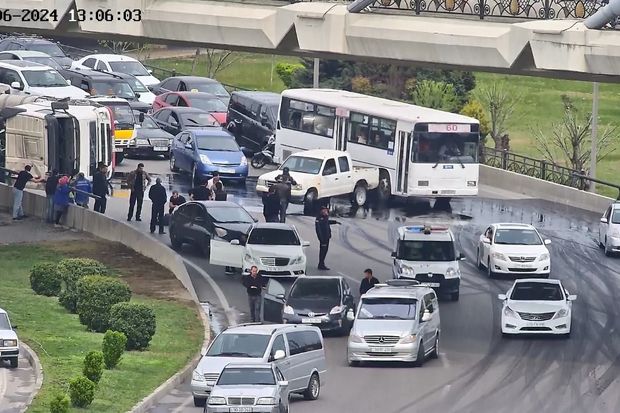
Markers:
<point>415,228</point>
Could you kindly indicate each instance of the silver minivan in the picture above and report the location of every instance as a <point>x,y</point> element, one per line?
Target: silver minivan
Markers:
<point>396,321</point>
<point>297,351</point>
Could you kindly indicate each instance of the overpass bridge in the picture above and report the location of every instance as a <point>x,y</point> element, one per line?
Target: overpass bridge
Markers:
<point>529,37</point>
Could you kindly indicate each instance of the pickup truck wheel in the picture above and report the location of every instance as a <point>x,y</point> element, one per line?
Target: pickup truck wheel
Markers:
<point>360,195</point>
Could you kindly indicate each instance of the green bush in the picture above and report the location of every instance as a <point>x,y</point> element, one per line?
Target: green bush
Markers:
<point>45,279</point>
<point>82,391</point>
<point>286,71</point>
<point>71,270</point>
<point>95,296</point>
<point>114,343</point>
<point>93,366</point>
<point>136,321</point>
<point>60,404</point>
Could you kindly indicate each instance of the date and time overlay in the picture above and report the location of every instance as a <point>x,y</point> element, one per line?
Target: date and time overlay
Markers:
<point>74,15</point>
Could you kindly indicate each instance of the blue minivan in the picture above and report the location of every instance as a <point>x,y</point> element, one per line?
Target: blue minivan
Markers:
<point>201,152</point>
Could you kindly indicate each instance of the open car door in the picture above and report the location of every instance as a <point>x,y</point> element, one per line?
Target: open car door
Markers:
<point>273,301</point>
<point>226,253</point>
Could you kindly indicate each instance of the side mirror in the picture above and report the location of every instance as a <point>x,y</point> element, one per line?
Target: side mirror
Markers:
<point>501,297</point>
<point>393,254</point>
<point>426,316</point>
<point>68,82</point>
<point>17,85</point>
<point>280,296</point>
<point>234,242</point>
<point>350,315</point>
<point>572,297</point>
<point>485,240</point>
<point>137,95</point>
<point>604,220</point>
<point>283,383</point>
<point>547,241</point>
<point>305,243</point>
<point>461,257</point>
<point>150,71</point>
<point>280,354</point>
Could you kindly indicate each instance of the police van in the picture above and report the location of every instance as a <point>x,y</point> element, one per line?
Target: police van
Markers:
<point>428,254</point>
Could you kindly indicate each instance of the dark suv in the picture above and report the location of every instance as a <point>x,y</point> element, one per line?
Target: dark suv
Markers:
<point>252,117</point>
<point>36,44</point>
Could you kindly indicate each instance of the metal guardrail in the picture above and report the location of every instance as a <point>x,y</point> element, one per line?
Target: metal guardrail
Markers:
<point>163,73</point>
<point>539,168</point>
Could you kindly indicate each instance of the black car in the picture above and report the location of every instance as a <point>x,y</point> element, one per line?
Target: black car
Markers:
<point>200,222</point>
<point>192,83</point>
<point>252,117</point>
<point>151,140</point>
<point>138,88</point>
<point>37,44</point>
<point>323,301</point>
<point>176,119</point>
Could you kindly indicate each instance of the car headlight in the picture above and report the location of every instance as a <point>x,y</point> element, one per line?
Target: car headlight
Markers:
<point>142,142</point>
<point>10,343</point>
<point>509,312</point>
<point>131,141</point>
<point>196,376</point>
<point>297,187</point>
<point>337,310</point>
<point>247,257</point>
<point>266,401</point>
<point>452,273</point>
<point>221,232</point>
<point>205,159</point>
<point>261,182</point>
<point>244,161</point>
<point>499,256</point>
<point>406,271</point>
<point>354,338</point>
<point>216,400</point>
<point>408,339</point>
<point>543,257</point>
<point>288,310</point>
<point>562,313</point>
<point>298,260</point>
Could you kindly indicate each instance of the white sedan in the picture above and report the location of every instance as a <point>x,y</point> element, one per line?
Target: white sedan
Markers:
<point>513,249</point>
<point>609,230</point>
<point>536,306</point>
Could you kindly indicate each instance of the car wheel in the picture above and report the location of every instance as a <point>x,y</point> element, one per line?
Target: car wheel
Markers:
<point>490,272</point>
<point>454,296</point>
<point>360,195</point>
<point>419,361</point>
<point>314,388</point>
<point>173,164</point>
<point>200,401</point>
<point>479,259</point>
<point>258,161</point>
<point>607,249</point>
<point>14,363</point>
<point>174,241</point>
<point>435,353</point>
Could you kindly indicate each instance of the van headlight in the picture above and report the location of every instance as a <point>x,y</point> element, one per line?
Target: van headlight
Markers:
<point>452,273</point>
<point>205,159</point>
<point>561,314</point>
<point>544,257</point>
<point>288,310</point>
<point>354,338</point>
<point>337,310</point>
<point>408,339</point>
<point>298,260</point>
<point>215,400</point>
<point>196,376</point>
<point>266,401</point>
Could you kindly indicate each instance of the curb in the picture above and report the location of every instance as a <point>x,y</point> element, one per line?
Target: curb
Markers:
<point>180,377</point>
<point>33,359</point>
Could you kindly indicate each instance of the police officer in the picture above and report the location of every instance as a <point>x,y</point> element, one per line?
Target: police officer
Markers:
<point>324,234</point>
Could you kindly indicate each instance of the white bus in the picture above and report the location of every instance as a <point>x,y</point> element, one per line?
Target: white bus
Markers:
<point>420,151</point>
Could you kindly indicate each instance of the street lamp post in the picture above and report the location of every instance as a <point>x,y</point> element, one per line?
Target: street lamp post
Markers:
<point>594,139</point>
<point>315,77</point>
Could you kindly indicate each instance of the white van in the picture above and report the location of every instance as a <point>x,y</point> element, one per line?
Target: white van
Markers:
<point>297,350</point>
<point>428,254</point>
<point>30,78</point>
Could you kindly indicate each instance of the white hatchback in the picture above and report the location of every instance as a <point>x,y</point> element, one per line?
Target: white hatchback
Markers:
<point>536,306</point>
<point>117,63</point>
<point>609,230</point>
<point>513,249</point>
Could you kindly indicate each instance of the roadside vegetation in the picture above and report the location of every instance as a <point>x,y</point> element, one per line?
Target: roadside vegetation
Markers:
<point>74,357</point>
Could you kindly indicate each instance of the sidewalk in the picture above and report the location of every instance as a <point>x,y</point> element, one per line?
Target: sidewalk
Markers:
<point>32,230</point>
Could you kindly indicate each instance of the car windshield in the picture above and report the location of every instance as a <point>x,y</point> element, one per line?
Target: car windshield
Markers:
<point>531,291</point>
<point>195,119</point>
<point>44,78</point>
<point>232,376</point>
<point>615,217</point>
<point>224,215</point>
<point>316,289</point>
<point>149,123</point>
<point>303,164</point>
<point>123,115</point>
<point>209,87</point>
<point>130,68</point>
<point>217,143</point>
<point>426,251</point>
<point>388,308</point>
<point>207,104</point>
<point>517,237</point>
<point>44,60</point>
<point>47,48</point>
<point>4,322</point>
<point>273,236</point>
<point>119,89</point>
<point>136,85</point>
<point>239,345</point>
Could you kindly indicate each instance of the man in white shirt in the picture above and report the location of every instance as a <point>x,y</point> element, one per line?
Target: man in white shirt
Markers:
<point>212,182</point>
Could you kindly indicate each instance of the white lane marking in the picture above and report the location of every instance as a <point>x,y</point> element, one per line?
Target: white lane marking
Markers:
<point>355,280</point>
<point>3,382</point>
<point>218,291</point>
<point>183,405</point>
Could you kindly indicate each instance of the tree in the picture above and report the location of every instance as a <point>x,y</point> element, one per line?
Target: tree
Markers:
<point>435,95</point>
<point>500,103</point>
<point>117,47</point>
<point>570,139</point>
<point>218,60</point>
<point>474,109</point>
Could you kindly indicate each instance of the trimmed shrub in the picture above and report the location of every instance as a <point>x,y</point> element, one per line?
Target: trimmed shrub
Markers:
<point>45,279</point>
<point>93,366</point>
<point>71,270</point>
<point>286,71</point>
<point>114,343</point>
<point>81,391</point>
<point>60,404</point>
<point>136,321</point>
<point>96,295</point>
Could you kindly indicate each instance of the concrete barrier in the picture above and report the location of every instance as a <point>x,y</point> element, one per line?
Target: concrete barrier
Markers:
<point>33,359</point>
<point>538,188</point>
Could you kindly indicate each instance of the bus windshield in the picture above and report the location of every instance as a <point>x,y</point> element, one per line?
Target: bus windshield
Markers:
<point>123,115</point>
<point>437,147</point>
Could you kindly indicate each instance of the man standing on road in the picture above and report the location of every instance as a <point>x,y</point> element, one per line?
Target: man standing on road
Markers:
<point>254,284</point>
<point>101,188</point>
<point>368,281</point>
<point>200,193</point>
<point>271,205</point>
<point>157,194</point>
<point>324,234</point>
<point>83,185</point>
<point>18,191</point>
<point>284,183</point>
<point>51,182</point>
<point>137,181</point>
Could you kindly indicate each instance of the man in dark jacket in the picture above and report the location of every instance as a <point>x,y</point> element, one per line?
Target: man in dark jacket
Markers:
<point>324,234</point>
<point>200,193</point>
<point>51,182</point>
<point>137,181</point>
<point>368,281</point>
<point>283,187</point>
<point>254,283</point>
<point>158,196</point>
<point>175,201</point>
<point>101,188</point>
<point>271,205</point>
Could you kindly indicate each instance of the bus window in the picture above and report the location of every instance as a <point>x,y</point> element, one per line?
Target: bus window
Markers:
<point>92,143</point>
<point>308,117</point>
<point>372,131</point>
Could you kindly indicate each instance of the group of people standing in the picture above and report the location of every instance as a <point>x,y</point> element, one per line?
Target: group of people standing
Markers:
<point>276,200</point>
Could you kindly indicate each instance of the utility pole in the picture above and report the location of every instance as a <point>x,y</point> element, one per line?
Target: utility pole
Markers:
<point>594,139</point>
<point>315,78</point>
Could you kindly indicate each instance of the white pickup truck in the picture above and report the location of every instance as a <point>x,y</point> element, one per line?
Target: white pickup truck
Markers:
<point>321,174</point>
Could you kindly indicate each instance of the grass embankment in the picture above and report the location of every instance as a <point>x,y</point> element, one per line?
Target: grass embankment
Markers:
<point>540,104</point>
<point>61,342</point>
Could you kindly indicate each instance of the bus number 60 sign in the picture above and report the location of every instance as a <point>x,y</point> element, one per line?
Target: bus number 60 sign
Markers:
<point>449,127</point>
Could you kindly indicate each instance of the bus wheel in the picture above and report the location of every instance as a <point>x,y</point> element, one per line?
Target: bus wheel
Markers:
<point>384,190</point>
<point>360,195</point>
<point>119,156</point>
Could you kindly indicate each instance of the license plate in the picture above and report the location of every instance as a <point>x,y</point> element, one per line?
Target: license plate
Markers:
<point>534,324</point>
<point>118,149</point>
<point>160,149</point>
<point>314,320</point>
<point>380,349</point>
<point>432,285</point>
<point>240,409</point>
<point>271,269</point>
<point>227,170</point>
